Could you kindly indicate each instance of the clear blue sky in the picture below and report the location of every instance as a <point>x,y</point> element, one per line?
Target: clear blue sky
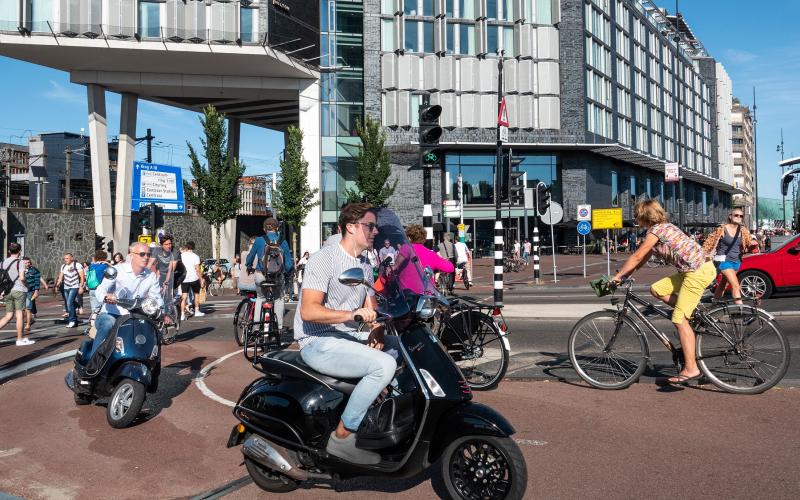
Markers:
<point>757,42</point>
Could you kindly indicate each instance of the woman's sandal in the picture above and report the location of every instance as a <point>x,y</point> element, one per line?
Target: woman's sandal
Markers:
<point>684,379</point>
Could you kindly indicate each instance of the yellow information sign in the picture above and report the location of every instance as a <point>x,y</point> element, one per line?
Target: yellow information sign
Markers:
<point>145,238</point>
<point>607,218</point>
<point>461,227</point>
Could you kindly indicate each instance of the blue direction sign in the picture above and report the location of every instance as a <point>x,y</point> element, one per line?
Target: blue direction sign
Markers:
<point>584,227</point>
<point>159,184</point>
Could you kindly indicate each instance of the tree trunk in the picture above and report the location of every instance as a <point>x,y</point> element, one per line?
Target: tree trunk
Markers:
<point>218,244</point>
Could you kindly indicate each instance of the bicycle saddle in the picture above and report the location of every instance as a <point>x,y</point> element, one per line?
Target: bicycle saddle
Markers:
<point>290,364</point>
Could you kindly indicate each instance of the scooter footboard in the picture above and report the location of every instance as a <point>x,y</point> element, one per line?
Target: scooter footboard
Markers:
<point>468,419</point>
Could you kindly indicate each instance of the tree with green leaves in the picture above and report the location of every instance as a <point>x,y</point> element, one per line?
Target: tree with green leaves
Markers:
<point>294,198</point>
<point>373,166</point>
<point>215,196</point>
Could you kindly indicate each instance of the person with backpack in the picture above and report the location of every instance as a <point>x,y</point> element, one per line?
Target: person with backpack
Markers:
<point>34,280</point>
<point>14,289</point>
<point>73,280</point>
<point>271,259</point>
<point>94,276</point>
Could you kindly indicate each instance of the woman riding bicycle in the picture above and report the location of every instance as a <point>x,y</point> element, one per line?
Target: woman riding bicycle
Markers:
<point>728,244</point>
<point>683,289</point>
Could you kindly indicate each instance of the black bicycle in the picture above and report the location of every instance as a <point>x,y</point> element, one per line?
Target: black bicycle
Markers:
<point>256,336</point>
<point>740,348</point>
<point>445,282</point>
<point>475,337</point>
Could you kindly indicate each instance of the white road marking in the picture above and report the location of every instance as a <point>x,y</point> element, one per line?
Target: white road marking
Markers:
<point>9,452</point>
<point>530,442</point>
<point>201,384</point>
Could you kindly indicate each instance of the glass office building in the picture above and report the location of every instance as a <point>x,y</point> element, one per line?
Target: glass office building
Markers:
<point>599,93</point>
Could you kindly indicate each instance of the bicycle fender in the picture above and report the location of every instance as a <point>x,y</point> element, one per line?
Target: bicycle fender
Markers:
<point>504,340</point>
<point>468,419</point>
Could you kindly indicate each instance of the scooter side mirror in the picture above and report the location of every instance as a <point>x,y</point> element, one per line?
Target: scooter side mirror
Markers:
<point>352,277</point>
<point>110,273</point>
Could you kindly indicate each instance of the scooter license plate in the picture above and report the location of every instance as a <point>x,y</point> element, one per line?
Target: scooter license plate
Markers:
<point>236,437</point>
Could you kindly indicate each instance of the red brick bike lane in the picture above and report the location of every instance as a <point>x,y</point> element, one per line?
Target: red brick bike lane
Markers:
<point>577,441</point>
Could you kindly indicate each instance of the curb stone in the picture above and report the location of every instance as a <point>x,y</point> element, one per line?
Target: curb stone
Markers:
<point>34,366</point>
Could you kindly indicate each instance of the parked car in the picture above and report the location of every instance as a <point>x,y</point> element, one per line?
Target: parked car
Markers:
<point>775,272</point>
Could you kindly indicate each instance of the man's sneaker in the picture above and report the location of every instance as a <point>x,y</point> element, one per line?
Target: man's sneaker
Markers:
<point>71,324</point>
<point>183,317</point>
<point>346,449</point>
<point>25,341</point>
<point>199,314</point>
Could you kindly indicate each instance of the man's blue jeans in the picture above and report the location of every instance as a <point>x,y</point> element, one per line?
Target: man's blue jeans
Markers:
<point>71,303</point>
<point>103,325</point>
<point>343,358</point>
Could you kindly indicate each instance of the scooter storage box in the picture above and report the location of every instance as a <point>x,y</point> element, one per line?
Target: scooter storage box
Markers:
<point>387,424</point>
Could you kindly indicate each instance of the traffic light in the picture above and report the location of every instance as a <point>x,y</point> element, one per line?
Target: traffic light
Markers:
<point>98,242</point>
<point>542,197</point>
<point>429,134</point>
<point>156,217</point>
<point>510,187</point>
<point>143,217</point>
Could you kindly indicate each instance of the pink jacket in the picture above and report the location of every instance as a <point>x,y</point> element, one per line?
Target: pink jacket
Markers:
<point>409,277</point>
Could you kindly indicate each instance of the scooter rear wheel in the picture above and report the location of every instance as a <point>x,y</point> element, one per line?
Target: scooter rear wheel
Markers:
<point>268,480</point>
<point>125,403</point>
<point>484,467</point>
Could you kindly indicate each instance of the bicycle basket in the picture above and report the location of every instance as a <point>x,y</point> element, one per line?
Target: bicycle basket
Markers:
<point>601,286</point>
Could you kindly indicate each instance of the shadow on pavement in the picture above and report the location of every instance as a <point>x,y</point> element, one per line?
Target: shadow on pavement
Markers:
<point>38,352</point>
<point>174,380</point>
<point>383,485</point>
<point>193,334</point>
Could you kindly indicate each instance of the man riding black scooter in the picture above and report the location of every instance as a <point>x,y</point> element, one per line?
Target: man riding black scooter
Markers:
<point>123,361</point>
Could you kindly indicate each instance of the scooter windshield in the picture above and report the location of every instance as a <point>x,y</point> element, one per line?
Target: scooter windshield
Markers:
<point>401,277</point>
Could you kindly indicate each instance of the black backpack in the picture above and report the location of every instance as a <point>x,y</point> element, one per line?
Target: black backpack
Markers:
<point>272,264</point>
<point>6,283</point>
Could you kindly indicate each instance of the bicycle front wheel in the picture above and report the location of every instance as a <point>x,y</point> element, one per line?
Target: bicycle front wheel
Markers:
<point>477,346</point>
<point>243,318</point>
<point>605,356</point>
<point>754,358</point>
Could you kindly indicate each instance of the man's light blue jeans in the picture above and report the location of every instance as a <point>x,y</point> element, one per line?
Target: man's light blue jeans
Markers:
<point>343,358</point>
<point>103,325</point>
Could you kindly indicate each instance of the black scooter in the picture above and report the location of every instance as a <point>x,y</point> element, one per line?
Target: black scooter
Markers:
<point>287,416</point>
<point>125,366</point>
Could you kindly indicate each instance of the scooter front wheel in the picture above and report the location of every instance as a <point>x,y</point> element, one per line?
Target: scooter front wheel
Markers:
<point>125,403</point>
<point>484,467</point>
<point>269,480</point>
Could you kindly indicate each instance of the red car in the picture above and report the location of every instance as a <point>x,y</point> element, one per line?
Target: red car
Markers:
<point>774,272</point>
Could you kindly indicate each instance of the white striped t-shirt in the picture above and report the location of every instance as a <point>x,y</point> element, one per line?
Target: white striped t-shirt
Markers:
<point>322,273</point>
<point>71,277</point>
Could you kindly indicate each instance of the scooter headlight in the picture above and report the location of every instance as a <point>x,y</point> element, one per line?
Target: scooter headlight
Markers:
<point>150,307</point>
<point>426,307</point>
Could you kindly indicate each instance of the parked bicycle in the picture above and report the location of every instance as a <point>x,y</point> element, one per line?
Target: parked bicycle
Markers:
<point>512,263</point>
<point>475,336</point>
<point>740,348</point>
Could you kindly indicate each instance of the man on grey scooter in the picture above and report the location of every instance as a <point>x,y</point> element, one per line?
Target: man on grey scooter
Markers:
<point>133,279</point>
<point>327,331</point>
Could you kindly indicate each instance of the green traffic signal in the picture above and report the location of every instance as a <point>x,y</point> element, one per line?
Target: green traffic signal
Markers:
<point>431,157</point>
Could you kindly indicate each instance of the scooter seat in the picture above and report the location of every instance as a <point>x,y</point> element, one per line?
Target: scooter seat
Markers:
<point>290,363</point>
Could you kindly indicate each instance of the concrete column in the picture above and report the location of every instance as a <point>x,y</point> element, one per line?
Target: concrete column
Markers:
<point>310,233</point>
<point>98,146</point>
<point>125,156</point>
<point>234,137</point>
<point>227,246</point>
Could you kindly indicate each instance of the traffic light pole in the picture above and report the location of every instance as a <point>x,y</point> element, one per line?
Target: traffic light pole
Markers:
<point>498,221</point>
<point>537,275</point>
<point>427,211</point>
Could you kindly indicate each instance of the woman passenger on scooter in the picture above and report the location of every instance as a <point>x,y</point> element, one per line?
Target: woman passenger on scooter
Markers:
<point>133,279</point>
<point>408,275</point>
<point>683,289</point>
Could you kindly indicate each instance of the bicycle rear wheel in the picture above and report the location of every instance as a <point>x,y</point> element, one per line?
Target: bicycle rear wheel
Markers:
<point>478,348</point>
<point>599,361</point>
<point>757,360</point>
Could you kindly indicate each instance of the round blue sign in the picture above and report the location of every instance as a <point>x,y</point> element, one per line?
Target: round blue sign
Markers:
<point>584,227</point>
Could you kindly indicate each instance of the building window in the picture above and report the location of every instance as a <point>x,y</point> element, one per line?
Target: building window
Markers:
<point>149,19</point>
<point>411,36</point>
<point>248,19</point>
<point>632,187</point>
<point>614,189</point>
<point>387,35</point>
<point>410,8</point>
<point>466,9</point>
<point>649,188</point>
